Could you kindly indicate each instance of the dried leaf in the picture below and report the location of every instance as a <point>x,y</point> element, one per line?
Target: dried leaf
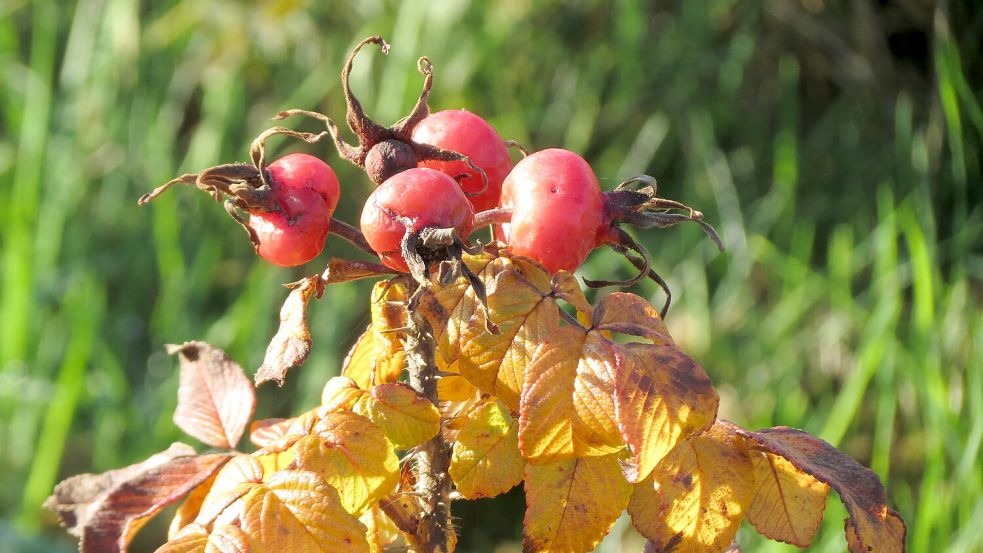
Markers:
<point>566,287</point>
<point>660,399</point>
<point>695,499</point>
<point>572,504</point>
<point>525,315</point>
<point>353,455</point>
<point>788,504</point>
<point>567,404</point>
<point>215,399</point>
<point>106,510</point>
<point>872,526</point>
<point>292,343</point>
<point>407,418</point>
<point>266,432</point>
<point>297,511</point>
<point>486,460</point>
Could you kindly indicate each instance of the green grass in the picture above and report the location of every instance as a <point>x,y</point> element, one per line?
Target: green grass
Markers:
<point>844,178</point>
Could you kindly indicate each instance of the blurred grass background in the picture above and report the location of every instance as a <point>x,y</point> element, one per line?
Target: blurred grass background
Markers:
<point>836,146</point>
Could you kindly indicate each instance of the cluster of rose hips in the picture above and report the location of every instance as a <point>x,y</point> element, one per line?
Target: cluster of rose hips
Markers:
<point>448,171</point>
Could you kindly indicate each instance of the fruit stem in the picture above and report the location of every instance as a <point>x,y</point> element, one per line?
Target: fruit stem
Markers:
<point>432,460</point>
<point>352,235</point>
<point>495,216</point>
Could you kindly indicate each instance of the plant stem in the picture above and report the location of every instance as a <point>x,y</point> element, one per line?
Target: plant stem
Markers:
<point>432,461</point>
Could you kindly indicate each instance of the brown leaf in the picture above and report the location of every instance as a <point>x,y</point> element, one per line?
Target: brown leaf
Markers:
<point>106,510</point>
<point>266,432</point>
<point>292,343</point>
<point>872,526</point>
<point>215,399</point>
<point>696,497</point>
<point>661,398</point>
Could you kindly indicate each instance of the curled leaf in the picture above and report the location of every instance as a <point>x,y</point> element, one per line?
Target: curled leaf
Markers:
<point>292,343</point>
<point>872,526</point>
<point>215,399</point>
<point>630,314</point>
<point>106,510</point>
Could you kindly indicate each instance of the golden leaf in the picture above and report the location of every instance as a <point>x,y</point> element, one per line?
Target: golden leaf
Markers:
<point>266,432</point>
<point>353,455</point>
<point>292,343</point>
<point>567,404</point>
<point>297,511</point>
<point>572,504</point>
<point>367,367</point>
<point>696,497</point>
<point>340,393</point>
<point>450,308</point>
<point>406,418</point>
<point>788,504</point>
<point>232,482</point>
<point>486,460</point>
<point>196,539</point>
<point>662,398</point>
<point>381,531</point>
<point>525,314</point>
<point>872,526</point>
<point>188,510</point>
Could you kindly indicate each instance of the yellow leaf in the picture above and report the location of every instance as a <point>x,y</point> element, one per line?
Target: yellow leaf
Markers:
<point>486,459</point>
<point>381,529</point>
<point>388,308</point>
<point>232,482</point>
<point>567,404</point>
<point>297,511</point>
<point>788,504</point>
<point>662,398</point>
<point>525,314</point>
<point>367,366</point>
<point>353,455</point>
<point>546,406</point>
<point>566,287</point>
<point>450,308</point>
<point>196,539</point>
<point>188,511</point>
<point>340,393</point>
<point>275,462</point>
<point>695,499</point>
<point>572,504</point>
<point>872,526</point>
<point>406,418</point>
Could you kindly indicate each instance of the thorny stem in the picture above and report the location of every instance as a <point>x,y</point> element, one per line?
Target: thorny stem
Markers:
<point>432,460</point>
